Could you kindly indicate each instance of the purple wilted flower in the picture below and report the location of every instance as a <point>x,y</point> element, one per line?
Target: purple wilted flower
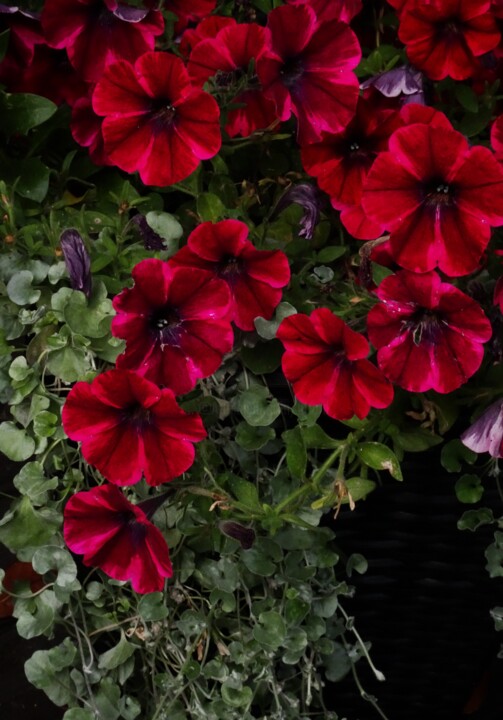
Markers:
<point>244,535</point>
<point>402,82</point>
<point>309,197</point>
<point>77,260</point>
<point>151,239</point>
<point>130,14</point>
<point>486,433</point>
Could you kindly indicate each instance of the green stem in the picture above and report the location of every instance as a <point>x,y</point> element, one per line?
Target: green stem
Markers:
<point>312,484</point>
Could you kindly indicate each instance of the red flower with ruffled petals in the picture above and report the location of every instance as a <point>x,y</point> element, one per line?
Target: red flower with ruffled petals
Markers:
<point>96,33</point>
<point>341,162</point>
<point>189,11</point>
<point>429,335</point>
<point>86,130</point>
<point>226,58</point>
<point>309,70</point>
<point>443,37</point>
<point>325,362</point>
<point>497,138</point>
<point>128,428</point>
<point>255,277</point>
<point>205,30</point>
<point>437,196</point>
<point>175,322</point>
<point>116,536</point>
<point>344,10</point>
<point>156,122</point>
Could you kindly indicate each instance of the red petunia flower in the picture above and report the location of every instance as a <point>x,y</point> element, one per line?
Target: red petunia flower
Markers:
<point>226,58</point>
<point>341,162</point>
<point>156,122</point>
<point>344,10</point>
<point>175,322</point>
<point>116,536</point>
<point>189,11</point>
<point>86,130</point>
<point>24,33</point>
<point>437,196</point>
<point>96,33</point>
<point>443,37</point>
<point>325,362</point>
<point>497,138</point>
<point>205,30</point>
<point>486,433</point>
<point>17,572</point>
<point>128,428</point>
<point>429,335</point>
<point>309,70</point>
<point>255,277</point>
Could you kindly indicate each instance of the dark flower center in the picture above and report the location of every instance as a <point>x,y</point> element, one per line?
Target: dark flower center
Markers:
<point>438,193</point>
<point>425,325</point>
<point>136,529</point>
<point>229,268</point>
<point>225,80</point>
<point>165,325</point>
<point>138,417</point>
<point>162,114</point>
<point>291,72</point>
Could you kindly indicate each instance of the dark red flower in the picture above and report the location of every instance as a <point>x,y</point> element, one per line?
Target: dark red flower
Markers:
<point>429,335</point>
<point>486,433</point>
<point>341,162</point>
<point>437,196</point>
<point>116,536</point>
<point>18,572</point>
<point>344,10</point>
<point>255,277</point>
<point>156,122</point>
<point>128,428</point>
<point>96,33</point>
<point>24,33</point>
<point>309,70</point>
<point>175,322</point>
<point>206,29</point>
<point>226,58</point>
<point>497,138</point>
<point>189,11</point>
<point>86,130</point>
<point>443,37</point>
<point>325,362</point>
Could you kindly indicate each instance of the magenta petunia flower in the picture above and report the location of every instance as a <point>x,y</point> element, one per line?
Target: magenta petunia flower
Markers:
<point>437,196</point>
<point>325,362</point>
<point>226,58</point>
<point>128,428</point>
<point>85,126</point>
<point>175,321</point>
<point>117,536</point>
<point>341,163</point>
<point>486,433</point>
<point>429,335</point>
<point>189,11</point>
<point>344,10</point>
<point>205,30</point>
<point>96,33</point>
<point>156,122</point>
<point>443,37</point>
<point>309,70</point>
<point>255,277</point>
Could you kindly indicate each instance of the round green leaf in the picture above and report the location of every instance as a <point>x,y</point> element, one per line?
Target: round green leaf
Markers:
<point>15,442</point>
<point>257,407</point>
<point>469,489</point>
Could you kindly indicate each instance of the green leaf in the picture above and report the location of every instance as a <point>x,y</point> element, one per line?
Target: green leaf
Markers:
<point>257,406</point>
<point>117,655</point>
<point>32,482</point>
<point>306,414</point>
<point>417,440</point>
<point>15,442</point>
<point>246,492</point>
<point>267,329</point>
<point>264,358</point>
<point>356,562</point>
<point>68,364</point>
<point>21,112</point>
<point>20,290</point>
<point>210,207</point>
<point>296,453</point>
<point>253,438</point>
<point>32,179</point>
<point>52,557</point>
<point>469,489</point>
<point>107,700</point>
<point>235,694</point>
<point>454,453</point>
<point>48,671</point>
<point>258,563</point>
<point>329,254</point>
<point>167,227</point>
<point>79,714</point>
<point>380,457</point>
<point>19,369</point>
<point>23,527</point>
<point>494,556</point>
<point>271,632</point>
<point>338,664</point>
<point>473,519</point>
<point>36,616</point>
<point>45,424</point>
<point>92,317</point>
<point>152,607</point>
<point>315,437</point>
<point>359,488</point>
<point>466,97</point>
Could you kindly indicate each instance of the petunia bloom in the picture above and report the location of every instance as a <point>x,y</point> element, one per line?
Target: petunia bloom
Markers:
<point>486,433</point>
<point>206,29</point>
<point>344,10</point>
<point>497,138</point>
<point>226,59</point>
<point>437,196</point>
<point>156,122</point>
<point>443,37</point>
<point>310,199</point>
<point>117,536</point>
<point>96,33</point>
<point>403,82</point>
<point>189,11</point>
<point>429,335</point>
<point>309,70</point>
<point>129,427</point>
<point>255,277</point>
<point>175,321</point>
<point>341,162</point>
<point>325,362</point>
<point>85,126</point>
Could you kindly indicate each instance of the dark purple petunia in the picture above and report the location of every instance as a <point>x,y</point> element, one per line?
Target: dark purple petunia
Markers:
<point>403,82</point>
<point>77,260</point>
<point>245,536</point>
<point>309,197</point>
<point>151,239</point>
